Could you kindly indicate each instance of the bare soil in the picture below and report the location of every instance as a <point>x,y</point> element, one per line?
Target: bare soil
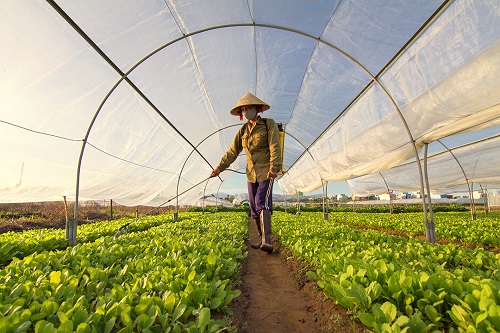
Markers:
<point>277,296</point>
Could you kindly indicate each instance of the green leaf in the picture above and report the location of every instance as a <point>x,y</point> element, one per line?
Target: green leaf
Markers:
<point>393,283</point>
<point>94,318</point>
<point>44,326</point>
<point>211,259</point>
<point>216,302</point>
<point>62,316</point>
<point>358,293</point>
<point>170,303</point>
<point>408,310</point>
<point>485,302</point>
<point>402,321</point>
<point>18,290</point>
<point>125,317</point>
<point>164,319</point>
<point>66,327</point>
<point>122,272</point>
<point>432,313</point>
<point>6,248</point>
<point>143,322</point>
<point>367,319</point>
<point>38,316</point>
<point>230,295</point>
<point>203,319</point>
<point>416,324</point>
<point>49,307</point>
<point>83,328</point>
<point>462,303</point>
<point>480,317</point>
<point>109,325</point>
<point>126,330</point>
<point>111,310</point>
<point>494,316</point>
<point>459,316</point>
<point>423,277</point>
<point>179,311</point>
<point>141,308</point>
<point>80,316</point>
<point>55,277</point>
<point>457,288</point>
<point>153,310</point>
<point>198,296</point>
<point>312,275</point>
<point>24,327</point>
<point>101,307</point>
<point>373,291</point>
<point>340,295</point>
<point>389,311</point>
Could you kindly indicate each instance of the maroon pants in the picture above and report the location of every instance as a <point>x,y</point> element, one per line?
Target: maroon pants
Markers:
<point>260,195</point>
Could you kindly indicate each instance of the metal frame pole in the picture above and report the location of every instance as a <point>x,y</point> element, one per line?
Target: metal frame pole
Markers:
<point>430,228</point>
<point>325,201</point>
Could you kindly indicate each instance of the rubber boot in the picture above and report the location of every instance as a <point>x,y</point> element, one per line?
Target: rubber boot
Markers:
<point>265,225</point>
<point>259,230</point>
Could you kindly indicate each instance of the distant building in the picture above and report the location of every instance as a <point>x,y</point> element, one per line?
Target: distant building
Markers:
<point>406,195</point>
<point>341,197</point>
<point>387,196</point>
<point>369,197</point>
<point>433,196</point>
<point>478,194</point>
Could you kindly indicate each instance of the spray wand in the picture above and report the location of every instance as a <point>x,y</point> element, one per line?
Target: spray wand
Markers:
<point>123,228</point>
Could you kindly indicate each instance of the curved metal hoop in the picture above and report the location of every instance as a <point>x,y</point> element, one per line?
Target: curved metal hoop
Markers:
<point>124,77</point>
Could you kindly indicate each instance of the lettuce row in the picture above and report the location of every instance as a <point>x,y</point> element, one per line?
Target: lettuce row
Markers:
<point>394,284</point>
<point>21,244</point>
<point>169,278</point>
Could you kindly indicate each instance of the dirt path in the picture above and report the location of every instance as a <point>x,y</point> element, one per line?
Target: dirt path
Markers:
<point>277,296</point>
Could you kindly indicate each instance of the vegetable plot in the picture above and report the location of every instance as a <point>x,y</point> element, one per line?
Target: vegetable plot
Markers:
<point>394,284</point>
<point>168,278</point>
<point>21,244</point>
<point>453,226</point>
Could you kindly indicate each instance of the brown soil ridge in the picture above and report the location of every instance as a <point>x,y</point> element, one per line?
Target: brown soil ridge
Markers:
<point>278,297</point>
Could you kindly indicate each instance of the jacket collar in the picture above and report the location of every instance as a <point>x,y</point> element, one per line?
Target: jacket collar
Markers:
<point>252,125</point>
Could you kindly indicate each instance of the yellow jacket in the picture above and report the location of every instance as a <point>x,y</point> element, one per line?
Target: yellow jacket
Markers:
<point>261,146</point>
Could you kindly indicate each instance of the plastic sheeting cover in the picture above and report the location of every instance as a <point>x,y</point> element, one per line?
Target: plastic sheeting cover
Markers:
<point>130,100</point>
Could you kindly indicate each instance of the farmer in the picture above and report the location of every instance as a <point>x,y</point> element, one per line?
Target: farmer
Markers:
<point>260,139</point>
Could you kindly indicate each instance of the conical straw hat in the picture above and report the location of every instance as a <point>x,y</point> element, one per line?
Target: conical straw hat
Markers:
<point>248,99</point>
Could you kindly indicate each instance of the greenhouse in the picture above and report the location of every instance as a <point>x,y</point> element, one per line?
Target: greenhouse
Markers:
<point>130,101</point>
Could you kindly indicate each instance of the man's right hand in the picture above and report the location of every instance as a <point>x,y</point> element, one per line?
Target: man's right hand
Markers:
<point>215,173</point>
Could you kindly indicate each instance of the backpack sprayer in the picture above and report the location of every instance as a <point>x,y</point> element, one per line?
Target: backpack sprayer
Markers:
<point>281,131</point>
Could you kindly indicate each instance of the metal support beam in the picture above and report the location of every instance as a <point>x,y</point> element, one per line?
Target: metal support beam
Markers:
<point>325,201</point>
<point>469,189</point>
<point>430,229</point>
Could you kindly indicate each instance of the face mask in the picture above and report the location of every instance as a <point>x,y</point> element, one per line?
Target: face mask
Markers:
<point>251,113</point>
